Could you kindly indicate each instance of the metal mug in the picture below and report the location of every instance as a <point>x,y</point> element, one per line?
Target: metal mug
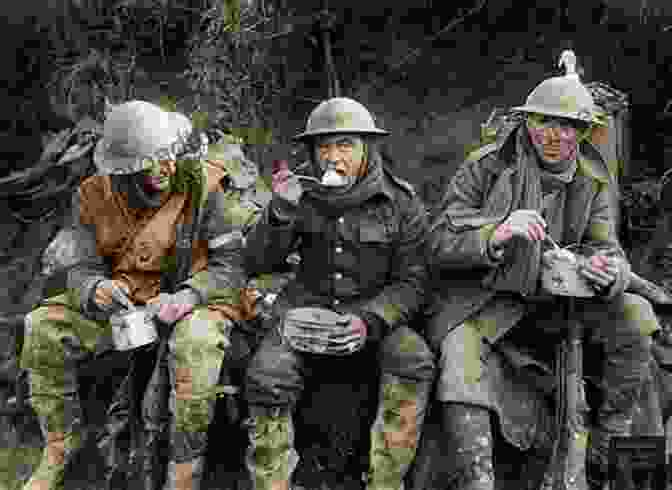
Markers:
<point>133,329</point>
<point>560,274</point>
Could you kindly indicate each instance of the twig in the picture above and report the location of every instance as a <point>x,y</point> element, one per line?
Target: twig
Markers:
<point>413,53</point>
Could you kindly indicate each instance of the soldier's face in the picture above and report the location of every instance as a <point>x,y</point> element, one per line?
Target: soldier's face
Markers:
<point>554,138</point>
<point>345,154</point>
<point>157,175</point>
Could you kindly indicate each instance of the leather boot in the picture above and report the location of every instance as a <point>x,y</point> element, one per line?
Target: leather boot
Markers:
<point>271,458</point>
<point>468,447</point>
<point>396,431</point>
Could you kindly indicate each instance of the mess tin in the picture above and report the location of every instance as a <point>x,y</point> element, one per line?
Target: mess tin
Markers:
<point>133,329</point>
<point>560,274</point>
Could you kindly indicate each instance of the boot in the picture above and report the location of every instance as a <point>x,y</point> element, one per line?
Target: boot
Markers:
<point>469,447</point>
<point>396,431</point>
<point>271,458</point>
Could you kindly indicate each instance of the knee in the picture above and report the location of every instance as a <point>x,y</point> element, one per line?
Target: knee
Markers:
<point>273,375</point>
<point>406,354</point>
<point>640,317</point>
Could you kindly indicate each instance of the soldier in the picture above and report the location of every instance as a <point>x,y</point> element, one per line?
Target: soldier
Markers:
<point>543,181</point>
<point>360,233</point>
<point>128,220</point>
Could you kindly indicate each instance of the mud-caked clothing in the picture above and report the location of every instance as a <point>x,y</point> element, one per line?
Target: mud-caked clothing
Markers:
<point>134,246</point>
<point>473,317</point>
<point>368,259</point>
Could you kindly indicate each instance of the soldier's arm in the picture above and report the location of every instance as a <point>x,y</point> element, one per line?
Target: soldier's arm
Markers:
<point>269,244</point>
<point>404,294</point>
<point>227,217</point>
<point>462,205</point>
<point>601,235</point>
<point>89,268</point>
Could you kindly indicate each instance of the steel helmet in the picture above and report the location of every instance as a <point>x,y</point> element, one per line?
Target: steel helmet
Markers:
<point>135,131</point>
<point>562,96</point>
<point>340,115</point>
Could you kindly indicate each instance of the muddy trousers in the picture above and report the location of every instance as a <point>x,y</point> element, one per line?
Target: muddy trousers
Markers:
<point>57,335</point>
<point>275,380</point>
<point>622,326</point>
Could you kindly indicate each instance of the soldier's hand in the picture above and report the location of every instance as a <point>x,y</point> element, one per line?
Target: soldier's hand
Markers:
<point>287,191</point>
<point>171,308</point>
<point>600,271</point>
<point>112,293</point>
<point>525,223</point>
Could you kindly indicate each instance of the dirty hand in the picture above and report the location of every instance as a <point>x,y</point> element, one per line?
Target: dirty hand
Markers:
<point>112,294</point>
<point>600,271</point>
<point>525,223</point>
<point>287,191</point>
<point>171,308</point>
<point>352,338</point>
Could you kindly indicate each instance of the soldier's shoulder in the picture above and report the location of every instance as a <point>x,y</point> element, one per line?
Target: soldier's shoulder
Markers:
<point>402,186</point>
<point>483,152</point>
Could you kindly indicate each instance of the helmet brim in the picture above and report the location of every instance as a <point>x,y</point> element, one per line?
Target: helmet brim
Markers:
<point>547,112</point>
<point>319,132</point>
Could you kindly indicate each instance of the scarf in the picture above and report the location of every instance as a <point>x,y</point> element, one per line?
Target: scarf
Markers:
<point>334,201</point>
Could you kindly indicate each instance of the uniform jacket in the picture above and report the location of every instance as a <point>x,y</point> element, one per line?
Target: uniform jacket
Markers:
<point>461,260</point>
<point>135,245</point>
<point>370,260</point>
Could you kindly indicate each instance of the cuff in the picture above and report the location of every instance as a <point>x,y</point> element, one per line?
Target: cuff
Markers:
<point>494,254</point>
<point>621,283</point>
<point>376,327</point>
<point>87,294</point>
<point>189,295</point>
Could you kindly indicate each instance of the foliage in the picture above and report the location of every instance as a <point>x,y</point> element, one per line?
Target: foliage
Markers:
<point>229,60</point>
<point>96,54</point>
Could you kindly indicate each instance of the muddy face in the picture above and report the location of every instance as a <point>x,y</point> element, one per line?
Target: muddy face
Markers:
<point>555,139</point>
<point>158,174</point>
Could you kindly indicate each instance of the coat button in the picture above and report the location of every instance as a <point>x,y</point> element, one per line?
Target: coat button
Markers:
<point>338,276</point>
<point>336,302</point>
<point>339,250</point>
<point>341,220</point>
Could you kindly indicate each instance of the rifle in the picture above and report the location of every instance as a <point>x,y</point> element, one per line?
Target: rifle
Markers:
<point>569,446</point>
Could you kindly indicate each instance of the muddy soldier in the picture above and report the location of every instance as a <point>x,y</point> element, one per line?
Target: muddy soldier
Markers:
<point>542,180</point>
<point>127,220</point>
<point>360,233</point>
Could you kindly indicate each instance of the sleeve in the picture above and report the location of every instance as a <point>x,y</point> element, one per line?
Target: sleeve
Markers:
<point>396,304</point>
<point>463,201</point>
<point>89,268</point>
<point>228,216</point>
<point>601,236</point>
<point>269,244</point>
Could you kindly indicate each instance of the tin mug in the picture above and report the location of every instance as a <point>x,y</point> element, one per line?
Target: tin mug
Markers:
<point>133,329</point>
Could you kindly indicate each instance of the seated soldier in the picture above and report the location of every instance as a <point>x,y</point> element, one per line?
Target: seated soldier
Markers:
<point>128,220</point>
<point>540,183</point>
<point>360,234</point>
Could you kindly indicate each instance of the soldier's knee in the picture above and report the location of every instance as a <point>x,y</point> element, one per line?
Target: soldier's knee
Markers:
<point>406,354</point>
<point>640,315</point>
<point>273,375</point>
